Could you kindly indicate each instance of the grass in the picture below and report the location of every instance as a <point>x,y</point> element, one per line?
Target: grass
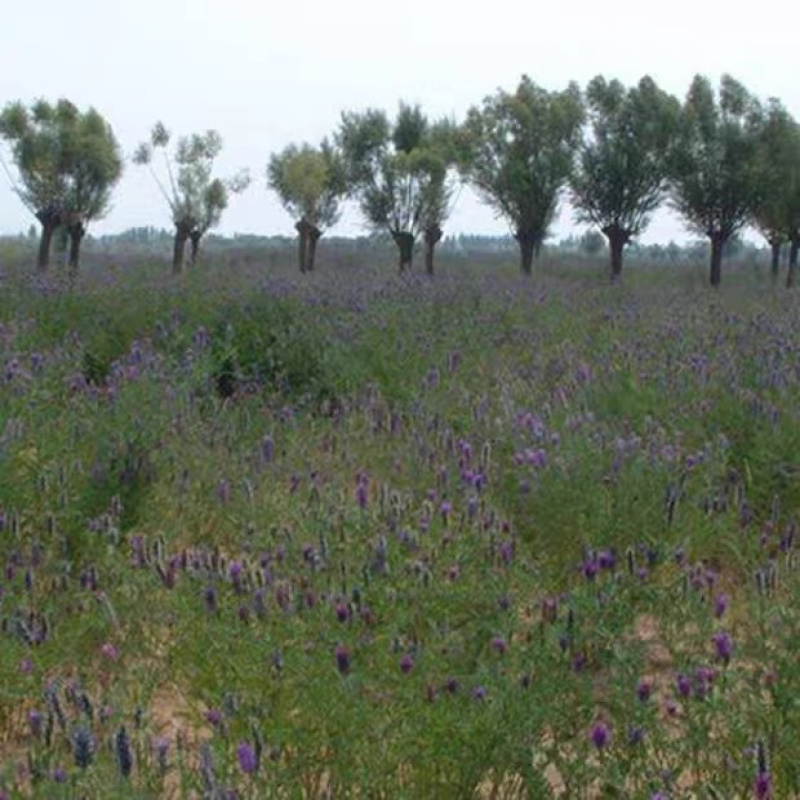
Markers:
<point>400,538</point>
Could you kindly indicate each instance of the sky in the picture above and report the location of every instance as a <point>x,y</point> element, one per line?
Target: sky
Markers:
<point>265,74</point>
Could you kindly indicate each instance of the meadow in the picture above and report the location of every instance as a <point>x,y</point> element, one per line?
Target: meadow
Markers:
<point>354,534</point>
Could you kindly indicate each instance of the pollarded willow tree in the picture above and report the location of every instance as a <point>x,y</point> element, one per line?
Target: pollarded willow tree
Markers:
<point>195,199</point>
<point>310,183</point>
<point>518,153</point>
<point>714,175</point>
<point>777,213</point>
<point>620,178</point>
<point>95,169</point>
<point>400,175</point>
<point>67,163</point>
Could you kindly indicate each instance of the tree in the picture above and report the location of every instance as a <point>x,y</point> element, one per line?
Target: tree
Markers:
<point>40,140</point>
<point>195,199</point>
<point>95,168</point>
<point>398,172</point>
<point>622,164</point>
<point>518,153</point>
<point>310,183</point>
<point>714,165</point>
<point>777,213</point>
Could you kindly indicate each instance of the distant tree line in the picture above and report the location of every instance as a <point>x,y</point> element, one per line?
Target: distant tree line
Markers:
<point>722,158</point>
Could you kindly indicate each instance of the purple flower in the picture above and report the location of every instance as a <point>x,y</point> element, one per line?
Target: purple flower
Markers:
<point>35,722</point>
<point>110,651</point>
<point>246,756</point>
<point>763,786</point>
<point>26,666</point>
<point>499,645</point>
<point>600,735</point>
<point>214,717</point>
<point>451,685</point>
<point>342,659</point>
<point>479,693</point>
<point>406,664</point>
<point>723,645</point>
<point>635,736</point>
<point>210,598</point>
<point>720,604</point>
<point>684,685</point>
<point>59,775</point>
<point>590,569</point>
<point>644,689</point>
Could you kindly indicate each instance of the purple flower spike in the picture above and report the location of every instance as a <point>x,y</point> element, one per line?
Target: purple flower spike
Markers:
<point>644,689</point>
<point>342,659</point>
<point>406,664</point>
<point>246,756</point>
<point>723,645</point>
<point>763,786</point>
<point>600,735</point>
<point>721,602</point>
<point>499,645</point>
<point>684,685</point>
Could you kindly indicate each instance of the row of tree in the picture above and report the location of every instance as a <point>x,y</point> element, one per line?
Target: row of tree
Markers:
<point>723,159</point>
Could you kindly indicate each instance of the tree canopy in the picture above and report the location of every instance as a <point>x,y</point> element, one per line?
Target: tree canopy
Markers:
<point>398,172</point>
<point>310,183</point>
<point>196,199</point>
<point>714,166</point>
<point>621,172</point>
<point>67,163</point>
<point>518,153</point>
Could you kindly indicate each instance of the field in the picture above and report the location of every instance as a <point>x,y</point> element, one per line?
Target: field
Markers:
<point>351,535</point>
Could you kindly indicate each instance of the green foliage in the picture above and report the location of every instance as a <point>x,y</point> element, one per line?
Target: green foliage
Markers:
<point>622,165</point>
<point>399,172</point>
<point>196,200</point>
<point>714,167</point>
<point>777,212</point>
<point>310,182</point>
<point>518,152</point>
<point>68,161</point>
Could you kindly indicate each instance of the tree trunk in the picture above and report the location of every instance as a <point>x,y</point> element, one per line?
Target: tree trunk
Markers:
<point>794,247</point>
<point>194,246</point>
<point>775,245</point>
<point>45,242</point>
<point>717,246</point>
<point>527,247</point>
<point>314,235</point>
<point>76,234</point>
<point>405,247</point>
<point>181,235</point>
<point>302,243</point>
<point>617,239</point>
<point>433,236</point>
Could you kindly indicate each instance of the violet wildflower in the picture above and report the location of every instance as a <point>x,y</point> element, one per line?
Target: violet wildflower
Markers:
<point>59,775</point>
<point>451,685</point>
<point>110,651</point>
<point>342,659</point>
<point>214,717</point>
<point>600,735</point>
<point>590,569</point>
<point>499,645</point>
<point>406,664</point>
<point>723,646</point>
<point>684,685</point>
<point>246,757</point>
<point>635,736</point>
<point>83,747</point>
<point>762,787</point>
<point>26,666</point>
<point>35,723</point>
<point>124,755</point>
<point>720,604</point>
<point>479,693</point>
<point>210,599</point>
<point>644,689</point>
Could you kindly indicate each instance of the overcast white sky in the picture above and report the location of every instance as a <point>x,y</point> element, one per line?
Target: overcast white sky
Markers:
<point>265,74</point>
